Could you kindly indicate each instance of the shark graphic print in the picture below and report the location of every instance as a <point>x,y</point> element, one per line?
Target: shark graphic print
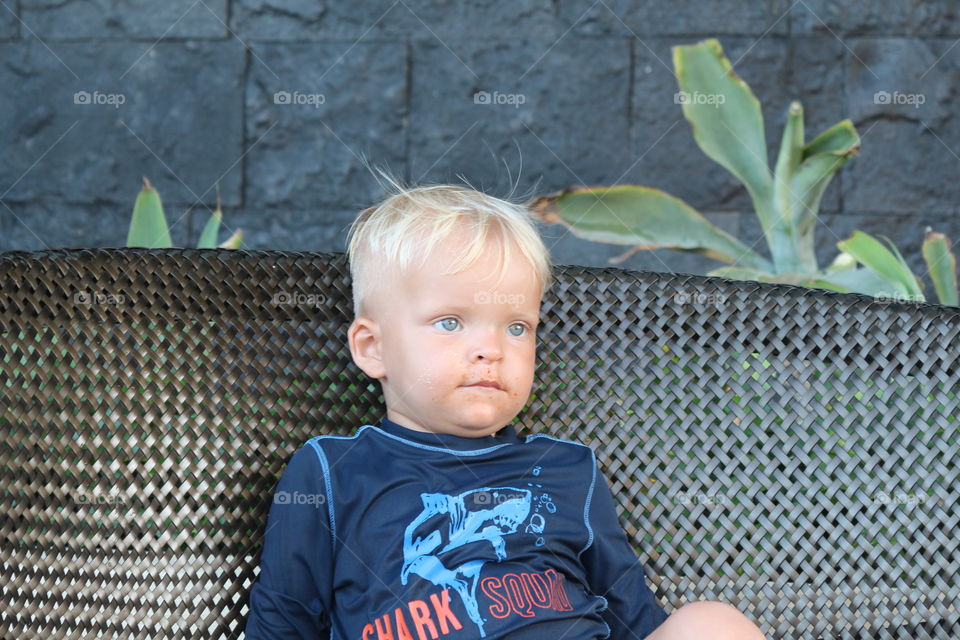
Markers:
<point>399,539</point>
<point>450,522</point>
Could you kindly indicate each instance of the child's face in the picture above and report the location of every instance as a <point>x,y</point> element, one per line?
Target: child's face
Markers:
<point>436,335</point>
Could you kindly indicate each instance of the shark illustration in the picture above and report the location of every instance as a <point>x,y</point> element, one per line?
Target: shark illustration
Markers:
<point>483,515</point>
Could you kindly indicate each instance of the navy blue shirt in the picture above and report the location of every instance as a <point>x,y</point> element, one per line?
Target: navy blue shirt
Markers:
<point>400,534</point>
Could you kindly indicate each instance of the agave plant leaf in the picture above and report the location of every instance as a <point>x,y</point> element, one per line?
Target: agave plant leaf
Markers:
<point>148,227</point>
<point>208,237</point>
<point>941,265</point>
<point>843,261</point>
<point>643,216</point>
<point>802,174</point>
<point>739,273</point>
<point>788,159</point>
<point>791,251</point>
<point>890,266</point>
<point>234,241</point>
<point>820,159</point>
<point>726,120</point>
<point>859,280</point>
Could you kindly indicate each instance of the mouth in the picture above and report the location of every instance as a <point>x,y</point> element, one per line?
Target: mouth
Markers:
<point>485,384</point>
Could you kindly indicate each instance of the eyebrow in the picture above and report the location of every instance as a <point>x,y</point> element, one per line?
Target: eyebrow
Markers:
<point>462,308</point>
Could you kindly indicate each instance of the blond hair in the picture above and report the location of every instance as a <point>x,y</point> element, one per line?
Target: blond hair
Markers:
<point>410,222</point>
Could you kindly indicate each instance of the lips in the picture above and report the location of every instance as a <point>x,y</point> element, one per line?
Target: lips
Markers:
<point>490,384</point>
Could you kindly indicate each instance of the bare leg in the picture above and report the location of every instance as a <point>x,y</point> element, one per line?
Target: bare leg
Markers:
<point>707,620</point>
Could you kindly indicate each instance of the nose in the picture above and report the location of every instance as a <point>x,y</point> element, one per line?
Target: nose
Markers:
<point>487,346</point>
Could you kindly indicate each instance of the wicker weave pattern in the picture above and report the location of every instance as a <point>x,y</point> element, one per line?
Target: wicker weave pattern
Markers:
<point>787,450</point>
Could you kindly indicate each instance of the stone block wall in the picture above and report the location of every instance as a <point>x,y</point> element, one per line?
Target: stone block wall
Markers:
<point>281,102</point>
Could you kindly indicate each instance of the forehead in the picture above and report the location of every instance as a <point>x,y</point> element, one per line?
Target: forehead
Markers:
<point>480,283</point>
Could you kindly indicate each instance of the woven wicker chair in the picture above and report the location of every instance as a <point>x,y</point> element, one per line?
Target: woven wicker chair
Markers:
<point>790,451</point>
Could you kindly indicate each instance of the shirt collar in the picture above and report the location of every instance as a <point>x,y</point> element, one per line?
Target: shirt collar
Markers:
<point>506,435</point>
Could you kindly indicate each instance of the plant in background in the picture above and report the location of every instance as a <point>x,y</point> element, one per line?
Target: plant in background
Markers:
<point>148,227</point>
<point>728,127</point>
<point>942,266</point>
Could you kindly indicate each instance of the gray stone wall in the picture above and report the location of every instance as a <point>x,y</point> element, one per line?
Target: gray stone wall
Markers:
<point>279,102</point>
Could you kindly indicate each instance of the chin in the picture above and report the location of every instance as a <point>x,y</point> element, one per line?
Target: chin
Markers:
<point>480,426</point>
<point>480,416</point>
<point>484,424</point>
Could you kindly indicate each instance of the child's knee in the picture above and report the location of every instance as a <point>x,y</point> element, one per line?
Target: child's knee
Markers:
<point>712,619</point>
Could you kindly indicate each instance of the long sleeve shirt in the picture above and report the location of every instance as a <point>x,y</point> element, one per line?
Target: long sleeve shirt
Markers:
<point>398,534</point>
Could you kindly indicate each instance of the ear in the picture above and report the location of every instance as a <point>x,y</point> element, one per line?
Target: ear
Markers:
<point>364,338</point>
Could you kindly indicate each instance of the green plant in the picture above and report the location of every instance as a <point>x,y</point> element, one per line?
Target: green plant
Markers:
<point>148,226</point>
<point>942,266</point>
<point>728,127</point>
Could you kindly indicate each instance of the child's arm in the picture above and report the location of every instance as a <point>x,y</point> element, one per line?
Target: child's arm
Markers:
<point>615,572</point>
<point>292,595</point>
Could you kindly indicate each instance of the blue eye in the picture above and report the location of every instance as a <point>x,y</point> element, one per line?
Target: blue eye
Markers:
<point>448,326</point>
<point>456,323</point>
<point>517,335</point>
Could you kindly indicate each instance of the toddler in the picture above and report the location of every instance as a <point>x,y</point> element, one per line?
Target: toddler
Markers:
<point>440,521</point>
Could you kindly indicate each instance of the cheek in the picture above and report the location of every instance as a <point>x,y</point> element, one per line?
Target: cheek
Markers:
<point>426,378</point>
<point>527,359</point>
<point>434,362</point>
<point>523,367</point>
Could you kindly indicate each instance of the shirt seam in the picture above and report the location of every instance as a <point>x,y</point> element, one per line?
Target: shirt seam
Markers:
<point>593,481</point>
<point>327,485</point>
<point>587,503</point>
<point>457,452</point>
